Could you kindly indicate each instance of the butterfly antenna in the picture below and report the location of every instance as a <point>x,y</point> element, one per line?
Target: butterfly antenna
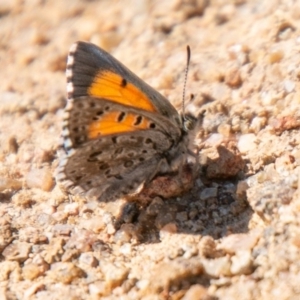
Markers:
<point>188,49</point>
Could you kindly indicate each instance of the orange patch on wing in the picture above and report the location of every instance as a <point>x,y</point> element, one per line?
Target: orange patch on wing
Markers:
<point>108,124</point>
<point>112,87</point>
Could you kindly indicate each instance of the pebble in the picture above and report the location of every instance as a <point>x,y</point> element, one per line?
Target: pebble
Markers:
<point>217,267</point>
<point>94,224</point>
<point>247,143</point>
<point>208,193</point>
<point>196,292</point>
<point>40,178</point>
<point>8,183</point>
<point>18,251</point>
<point>242,263</point>
<point>65,272</point>
<point>88,259</point>
<point>239,242</point>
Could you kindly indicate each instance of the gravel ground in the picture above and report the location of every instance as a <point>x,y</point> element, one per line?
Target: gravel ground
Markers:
<point>235,234</point>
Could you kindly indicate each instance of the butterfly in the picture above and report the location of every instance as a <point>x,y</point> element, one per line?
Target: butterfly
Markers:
<point>118,132</point>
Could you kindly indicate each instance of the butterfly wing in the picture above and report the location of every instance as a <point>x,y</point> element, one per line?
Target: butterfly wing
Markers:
<point>118,132</point>
<point>91,71</point>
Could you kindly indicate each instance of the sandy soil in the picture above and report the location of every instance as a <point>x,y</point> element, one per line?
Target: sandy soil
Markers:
<point>235,234</point>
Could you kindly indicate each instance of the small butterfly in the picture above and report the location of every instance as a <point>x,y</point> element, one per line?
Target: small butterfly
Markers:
<point>118,132</point>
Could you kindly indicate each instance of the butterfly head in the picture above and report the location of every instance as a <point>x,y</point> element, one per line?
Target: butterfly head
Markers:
<point>188,122</point>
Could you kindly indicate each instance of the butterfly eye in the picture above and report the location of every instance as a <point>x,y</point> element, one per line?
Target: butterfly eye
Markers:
<point>189,122</point>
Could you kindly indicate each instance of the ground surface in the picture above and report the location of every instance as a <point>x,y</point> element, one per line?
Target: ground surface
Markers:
<point>235,235</point>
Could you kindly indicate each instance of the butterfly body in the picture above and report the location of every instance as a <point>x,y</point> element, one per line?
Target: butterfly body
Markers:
<point>118,132</point>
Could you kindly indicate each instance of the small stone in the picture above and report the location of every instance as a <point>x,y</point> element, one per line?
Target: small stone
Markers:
<point>94,224</point>
<point>126,249</point>
<point>10,270</point>
<point>5,8</point>
<point>72,208</point>
<point>65,272</point>
<point>275,56</point>
<point>32,271</point>
<point>257,124</point>
<point>18,251</point>
<point>289,85</point>
<point>284,163</point>
<point>224,130</point>
<point>60,216</point>
<point>155,206</point>
<point>143,284</point>
<point>214,140</point>
<point>42,156</point>
<point>217,267</point>
<point>169,228</point>
<point>233,77</point>
<point>35,287</point>
<point>207,247</point>
<point>12,145</point>
<point>241,189</point>
<point>163,219</point>
<point>40,178</point>
<point>110,229</point>
<point>38,37</point>
<point>114,276</point>
<point>173,271</point>
<point>33,235</point>
<point>209,193</point>
<point>70,254</point>
<point>44,219</point>
<point>89,207</point>
<point>247,143</point>
<point>125,234</point>
<point>8,183</point>
<point>189,251</point>
<point>54,250</point>
<point>88,259</point>
<point>182,216</point>
<point>196,292</point>
<point>222,162</point>
<point>239,242</point>
<point>98,288</point>
<point>62,229</point>
<point>240,53</point>
<point>82,240</point>
<point>242,263</point>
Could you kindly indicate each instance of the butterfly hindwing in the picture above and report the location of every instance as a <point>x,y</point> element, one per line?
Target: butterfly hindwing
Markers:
<point>120,162</point>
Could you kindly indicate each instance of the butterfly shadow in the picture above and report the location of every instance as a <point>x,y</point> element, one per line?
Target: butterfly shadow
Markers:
<point>216,205</point>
